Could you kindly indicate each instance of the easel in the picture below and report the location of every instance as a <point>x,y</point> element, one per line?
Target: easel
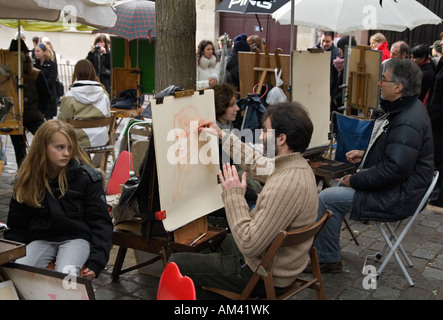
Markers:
<point>193,236</point>
<point>362,77</point>
<point>126,78</point>
<point>12,122</point>
<point>250,78</point>
<point>260,78</point>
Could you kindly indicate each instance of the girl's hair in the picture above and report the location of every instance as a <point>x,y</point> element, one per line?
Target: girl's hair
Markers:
<point>48,53</point>
<point>223,94</point>
<point>84,70</point>
<point>35,171</point>
<point>103,38</point>
<point>201,48</point>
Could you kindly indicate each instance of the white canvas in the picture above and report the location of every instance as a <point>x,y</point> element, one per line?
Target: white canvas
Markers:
<point>187,168</point>
<point>310,87</point>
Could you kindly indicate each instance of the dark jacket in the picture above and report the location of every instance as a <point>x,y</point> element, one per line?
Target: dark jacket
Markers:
<point>428,71</point>
<point>49,70</point>
<point>81,213</point>
<point>102,66</point>
<point>232,71</point>
<point>36,93</point>
<point>399,165</point>
<point>435,111</point>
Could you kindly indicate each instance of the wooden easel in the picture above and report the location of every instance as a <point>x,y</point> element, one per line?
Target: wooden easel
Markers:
<point>261,73</point>
<point>12,123</point>
<point>194,236</point>
<point>361,78</point>
<point>126,78</point>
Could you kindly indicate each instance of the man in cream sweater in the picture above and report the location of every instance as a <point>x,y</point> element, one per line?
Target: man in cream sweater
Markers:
<point>288,201</point>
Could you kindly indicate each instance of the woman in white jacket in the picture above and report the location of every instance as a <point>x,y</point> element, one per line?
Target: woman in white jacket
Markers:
<point>208,66</point>
<point>87,98</point>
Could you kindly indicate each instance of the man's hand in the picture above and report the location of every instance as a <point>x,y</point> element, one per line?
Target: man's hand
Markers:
<point>229,177</point>
<point>209,126</point>
<point>354,156</point>
<point>346,181</point>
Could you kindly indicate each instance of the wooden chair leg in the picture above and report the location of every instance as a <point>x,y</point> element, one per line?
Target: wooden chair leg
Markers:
<point>121,254</point>
<point>315,265</point>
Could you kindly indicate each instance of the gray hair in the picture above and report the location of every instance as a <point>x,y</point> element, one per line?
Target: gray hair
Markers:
<point>406,72</point>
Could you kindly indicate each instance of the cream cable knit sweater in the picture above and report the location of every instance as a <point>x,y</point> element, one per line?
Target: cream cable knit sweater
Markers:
<point>288,201</point>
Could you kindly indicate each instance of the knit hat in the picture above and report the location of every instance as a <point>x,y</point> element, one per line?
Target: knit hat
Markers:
<point>14,46</point>
<point>242,36</point>
<point>437,46</point>
<point>241,43</point>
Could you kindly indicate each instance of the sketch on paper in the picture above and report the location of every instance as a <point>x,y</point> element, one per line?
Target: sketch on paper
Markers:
<point>187,162</point>
<point>187,147</point>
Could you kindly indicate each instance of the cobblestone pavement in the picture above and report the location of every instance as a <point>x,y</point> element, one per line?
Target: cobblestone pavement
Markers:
<point>423,243</point>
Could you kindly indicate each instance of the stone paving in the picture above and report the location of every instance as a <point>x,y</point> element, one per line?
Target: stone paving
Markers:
<point>423,243</point>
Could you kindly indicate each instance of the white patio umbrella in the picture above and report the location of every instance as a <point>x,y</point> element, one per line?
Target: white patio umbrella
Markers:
<point>347,16</point>
<point>94,13</point>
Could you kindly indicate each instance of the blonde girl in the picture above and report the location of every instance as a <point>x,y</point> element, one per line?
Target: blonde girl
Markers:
<point>58,206</point>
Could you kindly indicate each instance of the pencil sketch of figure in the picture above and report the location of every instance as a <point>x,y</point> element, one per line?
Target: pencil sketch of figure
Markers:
<point>187,149</point>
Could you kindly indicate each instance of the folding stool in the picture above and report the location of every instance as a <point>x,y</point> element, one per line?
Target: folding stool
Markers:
<point>394,242</point>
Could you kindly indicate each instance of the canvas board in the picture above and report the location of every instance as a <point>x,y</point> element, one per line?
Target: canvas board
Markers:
<point>310,87</point>
<point>41,284</point>
<point>187,162</point>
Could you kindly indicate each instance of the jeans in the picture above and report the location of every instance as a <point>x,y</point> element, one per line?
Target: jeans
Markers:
<point>69,256</point>
<point>339,201</point>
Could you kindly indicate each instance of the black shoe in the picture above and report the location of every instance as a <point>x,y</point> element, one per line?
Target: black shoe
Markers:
<point>335,267</point>
<point>436,203</point>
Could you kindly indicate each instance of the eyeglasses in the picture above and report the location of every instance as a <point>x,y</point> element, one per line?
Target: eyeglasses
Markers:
<point>383,79</point>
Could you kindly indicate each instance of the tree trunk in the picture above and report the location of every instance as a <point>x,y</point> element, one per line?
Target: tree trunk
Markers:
<point>175,52</point>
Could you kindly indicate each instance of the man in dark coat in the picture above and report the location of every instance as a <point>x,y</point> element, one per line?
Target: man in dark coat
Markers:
<point>395,170</point>
<point>327,44</point>
<point>435,111</point>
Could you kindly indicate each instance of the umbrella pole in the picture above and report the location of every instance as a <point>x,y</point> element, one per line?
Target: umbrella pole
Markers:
<point>291,48</point>
<point>127,58</point>
<point>346,85</point>
<point>19,59</point>
<point>137,52</point>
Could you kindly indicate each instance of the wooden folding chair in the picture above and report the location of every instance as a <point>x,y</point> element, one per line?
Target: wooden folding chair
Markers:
<point>106,150</point>
<point>264,272</point>
<point>394,242</point>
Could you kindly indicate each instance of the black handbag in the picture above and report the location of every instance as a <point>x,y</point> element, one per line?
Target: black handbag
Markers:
<point>127,208</point>
<point>59,88</point>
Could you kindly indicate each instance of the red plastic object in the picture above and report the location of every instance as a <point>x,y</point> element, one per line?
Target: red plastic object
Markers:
<point>174,286</point>
<point>160,215</point>
<point>120,173</point>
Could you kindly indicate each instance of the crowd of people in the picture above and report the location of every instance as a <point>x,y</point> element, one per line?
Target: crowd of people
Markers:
<point>209,68</point>
<point>59,208</point>
<point>394,171</point>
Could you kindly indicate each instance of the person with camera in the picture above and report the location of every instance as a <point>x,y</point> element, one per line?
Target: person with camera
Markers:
<point>100,56</point>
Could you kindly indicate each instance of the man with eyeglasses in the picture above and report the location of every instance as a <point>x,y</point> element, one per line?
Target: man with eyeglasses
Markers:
<point>395,169</point>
